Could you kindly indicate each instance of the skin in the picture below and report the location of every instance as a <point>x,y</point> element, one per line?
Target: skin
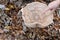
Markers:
<point>52,6</point>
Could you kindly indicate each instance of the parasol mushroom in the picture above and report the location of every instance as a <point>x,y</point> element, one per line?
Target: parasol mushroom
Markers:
<point>33,16</point>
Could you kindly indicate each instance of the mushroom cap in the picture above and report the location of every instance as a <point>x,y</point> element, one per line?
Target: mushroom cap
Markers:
<point>33,16</point>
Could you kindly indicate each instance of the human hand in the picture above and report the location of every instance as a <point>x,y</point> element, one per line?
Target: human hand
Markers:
<point>52,6</point>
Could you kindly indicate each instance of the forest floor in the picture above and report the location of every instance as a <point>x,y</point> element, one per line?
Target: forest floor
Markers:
<point>11,23</point>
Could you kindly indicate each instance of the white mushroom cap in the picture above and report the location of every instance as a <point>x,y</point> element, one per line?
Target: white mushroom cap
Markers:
<point>33,16</point>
